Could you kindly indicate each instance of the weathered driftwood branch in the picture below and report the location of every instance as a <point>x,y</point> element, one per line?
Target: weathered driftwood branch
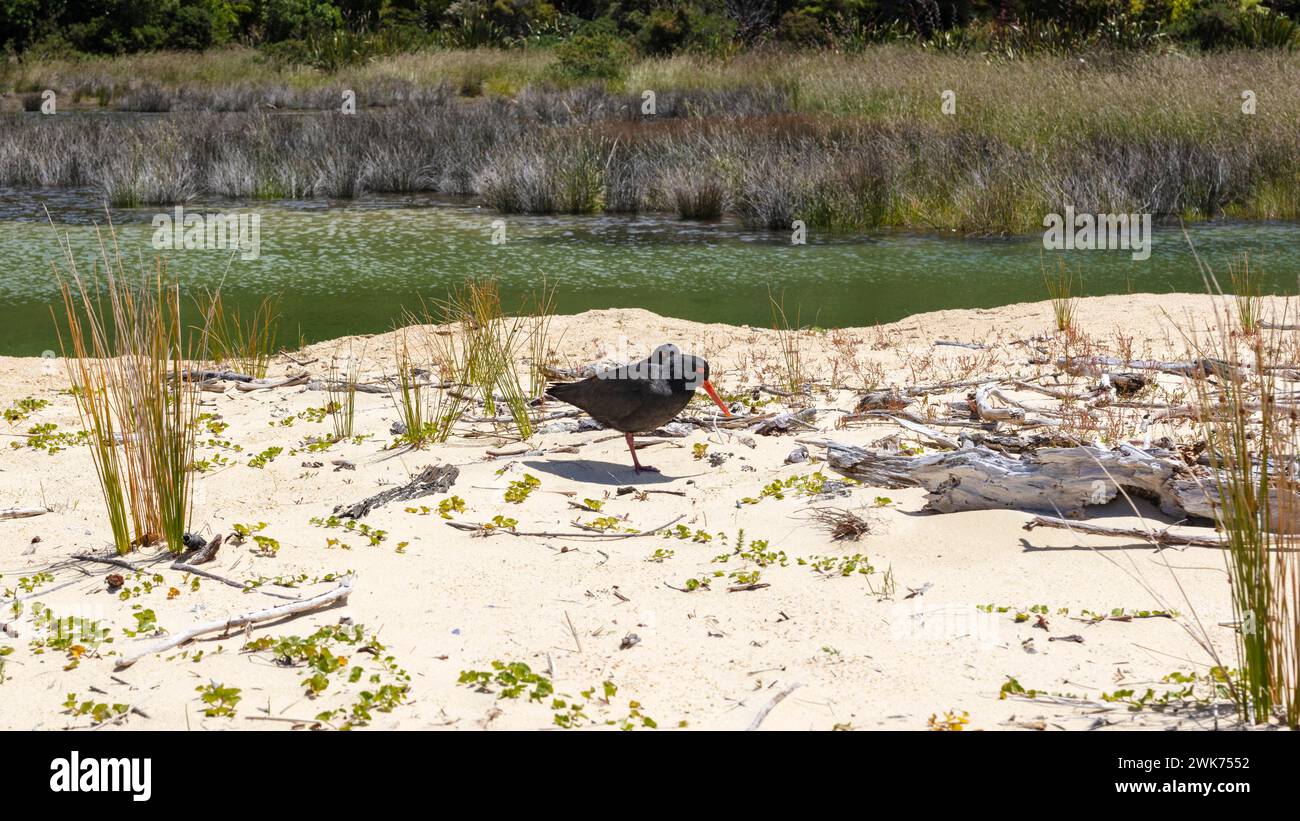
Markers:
<point>912,417</point>
<point>266,384</point>
<point>22,512</point>
<point>1161,536</point>
<point>1097,366</point>
<point>724,422</point>
<point>335,596</point>
<point>225,376</point>
<point>433,479</point>
<point>1012,413</point>
<point>881,400</point>
<point>359,387</point>
<point>937,437</point>
<point>1049,480</point>
<point>784,422</point>
<point>945,387</point>
<point>1020,443</point>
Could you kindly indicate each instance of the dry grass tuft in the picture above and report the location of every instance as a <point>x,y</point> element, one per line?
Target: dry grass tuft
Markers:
<point>127,365</point>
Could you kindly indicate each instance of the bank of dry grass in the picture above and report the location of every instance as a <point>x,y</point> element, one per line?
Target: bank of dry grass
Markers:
<point>842,142</point>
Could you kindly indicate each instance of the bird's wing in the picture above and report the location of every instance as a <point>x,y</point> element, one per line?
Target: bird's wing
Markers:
<point>608,400</point>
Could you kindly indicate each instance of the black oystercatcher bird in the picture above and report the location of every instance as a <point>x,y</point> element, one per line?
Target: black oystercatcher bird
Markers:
<point>640,396</point>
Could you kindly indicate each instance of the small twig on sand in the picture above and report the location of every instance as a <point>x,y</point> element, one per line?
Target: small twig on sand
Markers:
<point>122,563</point>
<point>626,489</point>
<point>305,722</point>
<point>546,534</point>
<point>576,641</point>
<point>198,571</point>
<point>37,593</point>
<point>767,708</point>
<point>337,595</point>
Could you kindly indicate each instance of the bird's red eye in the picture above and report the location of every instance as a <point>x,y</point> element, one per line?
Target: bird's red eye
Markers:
<point>699,370</point>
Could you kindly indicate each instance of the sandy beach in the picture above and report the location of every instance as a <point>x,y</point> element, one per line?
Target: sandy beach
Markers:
<point>925,620</point>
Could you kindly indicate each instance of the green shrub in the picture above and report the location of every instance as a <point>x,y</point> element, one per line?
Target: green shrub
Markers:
<point>799,28</point>
<point>596,52</point>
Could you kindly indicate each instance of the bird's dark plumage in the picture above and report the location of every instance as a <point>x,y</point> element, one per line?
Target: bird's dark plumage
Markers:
<point>640,396</point>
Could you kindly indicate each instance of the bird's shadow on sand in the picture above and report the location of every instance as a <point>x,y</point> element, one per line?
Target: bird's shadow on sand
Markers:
<point>599,473</point>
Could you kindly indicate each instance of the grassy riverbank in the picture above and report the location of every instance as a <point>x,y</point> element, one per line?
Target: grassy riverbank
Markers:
<point>843,142</point>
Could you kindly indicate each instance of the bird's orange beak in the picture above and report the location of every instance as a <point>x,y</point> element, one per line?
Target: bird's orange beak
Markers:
<point>713,394</point>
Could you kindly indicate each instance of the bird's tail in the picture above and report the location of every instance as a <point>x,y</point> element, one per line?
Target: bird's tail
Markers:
<point>560,389</point>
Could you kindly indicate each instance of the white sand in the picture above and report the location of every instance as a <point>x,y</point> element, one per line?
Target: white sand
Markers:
<point>711,658</point>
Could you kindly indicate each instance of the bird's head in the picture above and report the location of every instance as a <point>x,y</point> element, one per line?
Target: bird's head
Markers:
<point>689,371</point>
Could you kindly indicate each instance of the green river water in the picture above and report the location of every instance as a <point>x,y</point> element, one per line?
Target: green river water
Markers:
<point>345,268</point>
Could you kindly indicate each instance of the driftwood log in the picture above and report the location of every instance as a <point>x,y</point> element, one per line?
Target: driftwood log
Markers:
<point>1050,480</point>
<point>336,596</point>
<point>433,479</point>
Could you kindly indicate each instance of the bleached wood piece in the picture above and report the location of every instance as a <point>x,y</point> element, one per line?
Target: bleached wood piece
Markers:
<point>1096,366</point>
<point>22,512</point>
<point>1048,480</point>
<point>1162,536</point>
<point>267,384</point>
<point>338,594</point>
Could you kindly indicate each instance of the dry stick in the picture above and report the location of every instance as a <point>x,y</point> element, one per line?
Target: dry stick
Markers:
<point>767,708</point>
<point>361,387</point>
<point>338,594</point>
<point>303,721</point>
<point>573,631</point>
<point>209,375</point>
<point>944,387</point>
<point>37,593</point>
<point>267,384</point>
<point>890,415</point>
<point>123,563</point>
<point>930,433</point>
<point>1164,536</point>
<point>550,535</point>
<point>626,489</point>
<point>1015,415</point>
<point>22,512</point>
<point>974,346</point>
<point>198,571</point>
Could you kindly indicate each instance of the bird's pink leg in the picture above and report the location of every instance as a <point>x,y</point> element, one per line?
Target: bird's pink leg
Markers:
<point>636,463</point>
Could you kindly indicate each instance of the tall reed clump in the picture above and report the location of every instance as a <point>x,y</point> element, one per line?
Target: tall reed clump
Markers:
<point>538,319</point>
<point>410,401</point>
<point>790,339</point>
<point>1253,443</point>
<point>488,345</point>
<point>124,348</point>
<point>341,393</point>
<point>1063,293</point>
<point>1247,294</point>
<point>239,340</point>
